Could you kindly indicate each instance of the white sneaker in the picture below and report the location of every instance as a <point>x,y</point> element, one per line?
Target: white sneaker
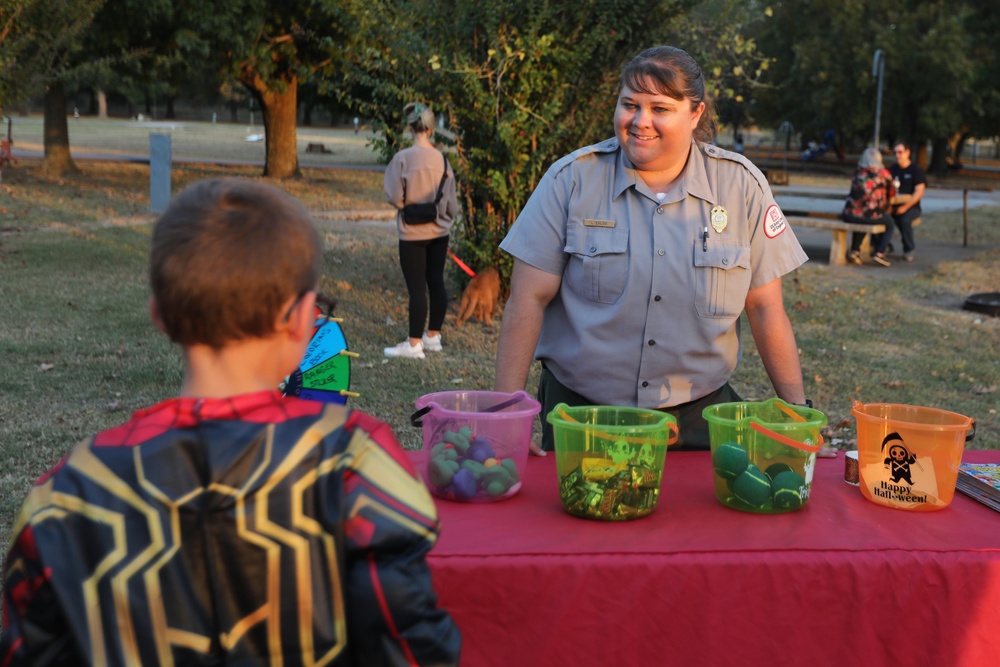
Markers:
<point>432,343</point>
<point>406,350</point>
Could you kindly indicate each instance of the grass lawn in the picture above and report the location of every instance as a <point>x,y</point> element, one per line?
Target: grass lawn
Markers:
<point>80,356</point>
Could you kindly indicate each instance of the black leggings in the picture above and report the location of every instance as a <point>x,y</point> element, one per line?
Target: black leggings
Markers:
<point>423,269</point>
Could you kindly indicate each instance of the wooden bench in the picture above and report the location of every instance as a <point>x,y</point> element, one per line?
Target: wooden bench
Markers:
<point>838,243</point>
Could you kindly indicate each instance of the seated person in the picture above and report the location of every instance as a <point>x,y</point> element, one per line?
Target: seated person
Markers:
<point>229,525</point>
<point>868,203</point>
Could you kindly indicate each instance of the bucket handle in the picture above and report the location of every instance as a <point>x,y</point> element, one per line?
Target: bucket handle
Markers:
<point>416,417</point>
<point>785,440</point>
<point>970,436</point>
<point>631,439</point>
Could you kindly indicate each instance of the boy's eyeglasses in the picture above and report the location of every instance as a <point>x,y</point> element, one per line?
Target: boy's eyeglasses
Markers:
<point>325,304</point>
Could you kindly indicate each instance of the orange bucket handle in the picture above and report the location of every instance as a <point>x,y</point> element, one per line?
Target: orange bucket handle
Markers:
<point>785,440</point>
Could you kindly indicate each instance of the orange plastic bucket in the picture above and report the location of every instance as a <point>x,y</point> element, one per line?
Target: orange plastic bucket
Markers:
<point>908,456</point>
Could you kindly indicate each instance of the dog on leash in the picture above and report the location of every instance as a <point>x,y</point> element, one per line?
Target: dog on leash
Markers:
<point>481,296</point>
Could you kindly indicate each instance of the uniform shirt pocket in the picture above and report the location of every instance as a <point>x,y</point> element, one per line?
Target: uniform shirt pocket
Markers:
<point>598,262</point>
<point>722,274</point>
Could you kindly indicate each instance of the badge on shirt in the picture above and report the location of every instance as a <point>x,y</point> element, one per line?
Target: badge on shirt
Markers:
<point>589,222</point>
<point>719,218</point>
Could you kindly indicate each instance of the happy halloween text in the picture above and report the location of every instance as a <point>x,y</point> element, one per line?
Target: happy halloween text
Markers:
<point>898,492</point>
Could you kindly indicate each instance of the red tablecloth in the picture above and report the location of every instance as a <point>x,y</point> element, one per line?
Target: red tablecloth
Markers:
<point>842,581</point>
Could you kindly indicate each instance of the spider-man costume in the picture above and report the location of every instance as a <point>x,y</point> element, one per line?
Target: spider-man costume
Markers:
<point>252,530</point>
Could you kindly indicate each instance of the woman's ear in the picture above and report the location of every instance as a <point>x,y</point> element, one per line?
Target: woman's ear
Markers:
<point>154,314</point>
<point>696,115</point>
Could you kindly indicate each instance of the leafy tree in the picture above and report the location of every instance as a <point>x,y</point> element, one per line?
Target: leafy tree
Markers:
<point>35,35</point>
<point>47,36</point>
<point>719,35</point>
<point>940,59</point>
<point>273,46</point>
<point>521,82</point>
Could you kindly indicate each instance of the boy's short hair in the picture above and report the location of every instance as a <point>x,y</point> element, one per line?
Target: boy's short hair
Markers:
<point>226,255</point>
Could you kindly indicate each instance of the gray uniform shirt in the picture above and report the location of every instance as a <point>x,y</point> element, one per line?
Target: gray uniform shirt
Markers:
<point>648,310</point>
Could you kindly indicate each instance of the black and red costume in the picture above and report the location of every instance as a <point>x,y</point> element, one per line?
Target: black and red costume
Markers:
<point>254,530</point>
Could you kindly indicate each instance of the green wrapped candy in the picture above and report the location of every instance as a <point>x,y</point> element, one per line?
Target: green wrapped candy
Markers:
<point>787,489</point>
<point>752,486</point>
<point>446,450</point>
<point>496,488</point>
<point>440,470</point>
<point>511,467</point>
<point>729,460</point>
<point>465,432</point>
<point>498,474</point>
<point>460,441</point>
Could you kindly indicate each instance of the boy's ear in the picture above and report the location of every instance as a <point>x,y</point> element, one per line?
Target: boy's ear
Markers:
<point>154,314</point>
<point>302,315</point>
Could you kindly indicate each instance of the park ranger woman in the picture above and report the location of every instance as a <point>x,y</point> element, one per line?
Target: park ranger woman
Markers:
<point>635,257</point>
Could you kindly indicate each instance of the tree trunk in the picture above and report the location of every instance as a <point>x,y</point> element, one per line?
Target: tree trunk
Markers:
<point>102,103</point>
<point>171,114</point>
<point>939,156</point>
<point>58,161</point>
<point>279,108</point>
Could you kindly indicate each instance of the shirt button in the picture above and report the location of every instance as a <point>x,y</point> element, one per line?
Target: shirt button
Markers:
<point>657,297</point>
<point>660,252</point>
<point>659,209</point>
<point>593,249</point>
<point>652,342</point>
<point>645,384</point>
<point>725,261</point>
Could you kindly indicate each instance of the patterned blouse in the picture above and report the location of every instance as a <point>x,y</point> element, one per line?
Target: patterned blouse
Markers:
<point>871,192</point>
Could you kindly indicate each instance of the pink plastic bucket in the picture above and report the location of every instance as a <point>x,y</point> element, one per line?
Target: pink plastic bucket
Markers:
<point>476,443</point>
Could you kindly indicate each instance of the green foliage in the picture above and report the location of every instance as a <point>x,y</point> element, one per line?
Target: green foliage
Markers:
<point>39,40</point>
<point>521,83</point>
<point>719,36</point>
<point>941,68</point>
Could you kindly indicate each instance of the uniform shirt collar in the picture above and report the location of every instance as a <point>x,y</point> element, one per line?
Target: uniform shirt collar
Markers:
<point>692,181</point>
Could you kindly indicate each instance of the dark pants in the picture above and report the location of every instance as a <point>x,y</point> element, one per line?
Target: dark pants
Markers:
<point>880,242</point>
<point>423,270</point>
<point>905,224</point>
<point>692,426</point>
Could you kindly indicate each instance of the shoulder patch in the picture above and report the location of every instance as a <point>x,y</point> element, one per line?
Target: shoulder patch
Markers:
<point>774,221</point>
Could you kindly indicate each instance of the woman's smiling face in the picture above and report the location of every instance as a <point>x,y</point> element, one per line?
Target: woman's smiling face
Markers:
<point>655,130</point>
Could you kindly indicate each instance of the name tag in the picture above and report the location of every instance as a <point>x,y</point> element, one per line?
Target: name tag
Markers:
<point>588,222</point>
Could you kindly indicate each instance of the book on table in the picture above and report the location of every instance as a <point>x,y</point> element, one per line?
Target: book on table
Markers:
<point>980,481</point>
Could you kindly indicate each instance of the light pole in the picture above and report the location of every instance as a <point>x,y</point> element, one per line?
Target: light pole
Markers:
<point>878,70</point>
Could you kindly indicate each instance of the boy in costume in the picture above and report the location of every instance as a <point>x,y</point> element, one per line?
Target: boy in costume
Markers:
<point>229,525</point>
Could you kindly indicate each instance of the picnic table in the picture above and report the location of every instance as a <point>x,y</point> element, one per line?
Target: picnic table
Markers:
<point>839,228</point>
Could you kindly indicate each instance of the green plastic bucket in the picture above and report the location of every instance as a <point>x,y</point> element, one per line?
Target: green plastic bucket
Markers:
<point>763,454</point>
<point>610,459</point>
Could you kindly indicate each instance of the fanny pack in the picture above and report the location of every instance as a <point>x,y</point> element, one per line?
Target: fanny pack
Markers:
<point>421,214</point>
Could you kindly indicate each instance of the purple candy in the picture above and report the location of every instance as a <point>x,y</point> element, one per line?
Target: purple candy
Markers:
<point>480,450</point>
<point>464,484</point>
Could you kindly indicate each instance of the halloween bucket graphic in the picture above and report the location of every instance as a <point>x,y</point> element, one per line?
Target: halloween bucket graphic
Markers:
<point>908,456</point>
